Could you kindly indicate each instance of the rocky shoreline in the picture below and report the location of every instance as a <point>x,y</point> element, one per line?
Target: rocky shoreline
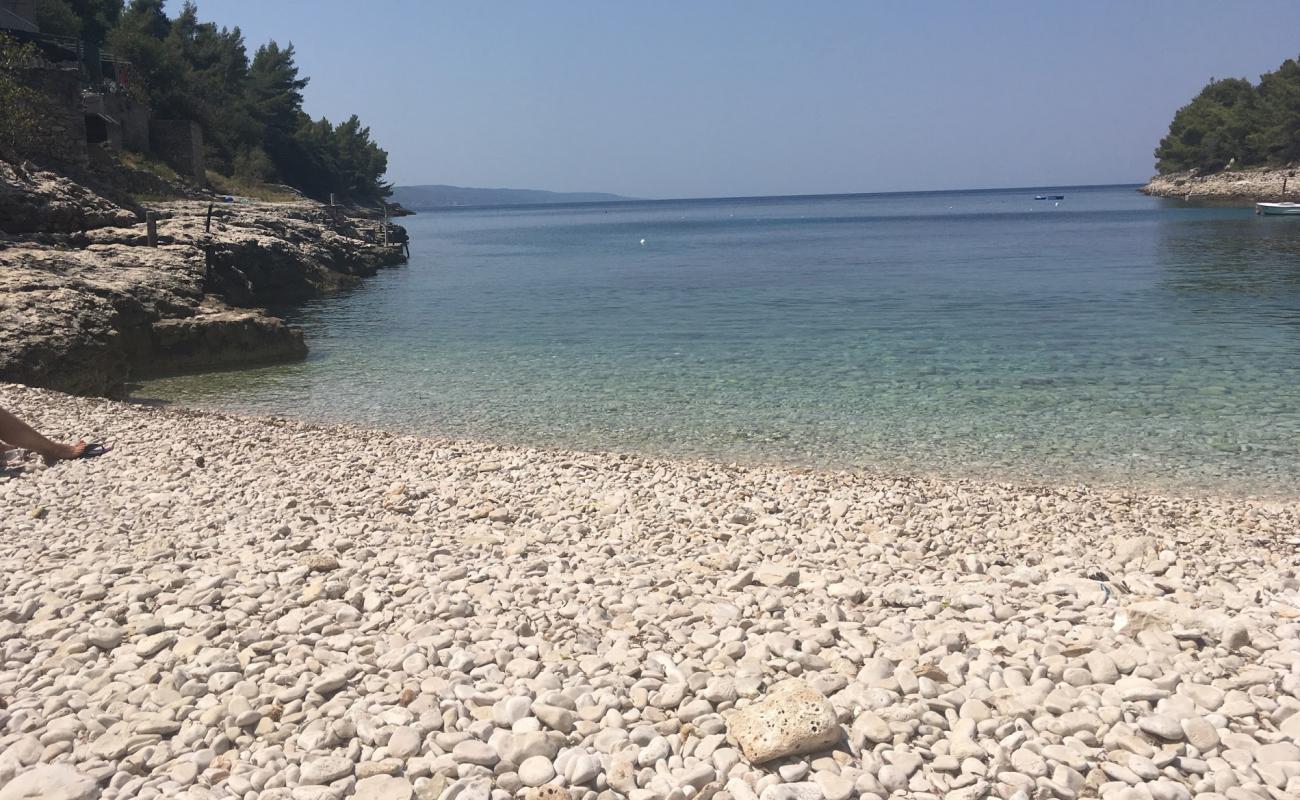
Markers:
<point>87,305</point>
<point>1237,186</point>
<point>229,606</point>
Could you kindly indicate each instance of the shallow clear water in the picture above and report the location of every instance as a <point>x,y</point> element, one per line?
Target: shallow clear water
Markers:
<point>1111,337</point>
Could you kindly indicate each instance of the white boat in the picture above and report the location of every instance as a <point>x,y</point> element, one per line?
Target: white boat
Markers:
<point>1286,208</point>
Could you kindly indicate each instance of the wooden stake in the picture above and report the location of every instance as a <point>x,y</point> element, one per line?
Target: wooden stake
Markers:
<point>151,227</point>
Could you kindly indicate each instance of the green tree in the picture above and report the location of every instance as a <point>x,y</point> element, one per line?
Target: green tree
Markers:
<point>1212,130</point>
<point>86,20</point>
<point>97,18</point>
<point>1234,122</point>
<point>217,66</point>
<point>274,88</point>
<point>1278,137</point>
<point>58,17</point>
<point>250,110</point>
<point>361,164</point>
<point>159,74</point>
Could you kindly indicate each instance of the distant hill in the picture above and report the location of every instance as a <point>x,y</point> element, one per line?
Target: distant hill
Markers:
<point>421,198</point>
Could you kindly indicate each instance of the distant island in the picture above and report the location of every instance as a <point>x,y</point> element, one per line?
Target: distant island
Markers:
<point>427,197</point>
<point>1234,140</point>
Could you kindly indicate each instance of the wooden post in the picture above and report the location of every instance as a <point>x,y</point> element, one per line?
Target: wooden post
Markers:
<point>151,227</point>
<point>207,222</point>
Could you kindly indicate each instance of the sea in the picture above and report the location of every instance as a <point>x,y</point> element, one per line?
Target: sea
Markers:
<point>1106,338</point>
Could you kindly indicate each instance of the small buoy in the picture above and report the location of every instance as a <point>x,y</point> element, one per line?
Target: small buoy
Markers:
<point>643,242</point>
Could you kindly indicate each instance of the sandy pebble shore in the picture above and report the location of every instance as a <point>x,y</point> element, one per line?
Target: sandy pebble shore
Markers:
<point>232,607</point>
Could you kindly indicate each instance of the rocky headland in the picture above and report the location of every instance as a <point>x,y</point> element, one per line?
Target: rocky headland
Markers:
<point>226,606</point>
<point>1237,186</point>
<point>87,305</point>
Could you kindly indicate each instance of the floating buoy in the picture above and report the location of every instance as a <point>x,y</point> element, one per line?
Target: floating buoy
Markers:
<point>643,242</point>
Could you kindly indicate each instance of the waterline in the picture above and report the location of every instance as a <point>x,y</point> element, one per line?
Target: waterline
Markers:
<point>1113,339</point>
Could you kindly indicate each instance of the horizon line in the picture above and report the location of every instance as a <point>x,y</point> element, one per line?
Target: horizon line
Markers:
<point>630,199</point>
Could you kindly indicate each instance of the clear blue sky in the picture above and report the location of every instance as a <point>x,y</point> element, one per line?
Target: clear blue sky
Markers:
<point>750,97</point>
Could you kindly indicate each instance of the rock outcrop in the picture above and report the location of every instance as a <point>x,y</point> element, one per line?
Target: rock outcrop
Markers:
<point>1244,186</point>
<point>87,305</point>
<point>35,201</point>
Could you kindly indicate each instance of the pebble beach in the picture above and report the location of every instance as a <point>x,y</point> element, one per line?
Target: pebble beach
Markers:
<point>260,608</point>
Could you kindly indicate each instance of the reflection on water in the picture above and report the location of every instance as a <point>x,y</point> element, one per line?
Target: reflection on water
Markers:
<point>1113,338</point>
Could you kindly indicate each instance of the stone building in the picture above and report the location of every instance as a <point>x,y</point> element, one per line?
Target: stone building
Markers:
<point>179,142</point>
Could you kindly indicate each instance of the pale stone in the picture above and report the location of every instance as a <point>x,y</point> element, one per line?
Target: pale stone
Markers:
<point>50,782</point>
<point>1162,726</point>
<point>383,787</point>
<point>536,771</point>
<point>1200,734</point>
<point>792,719</point>
<point>325,769</point>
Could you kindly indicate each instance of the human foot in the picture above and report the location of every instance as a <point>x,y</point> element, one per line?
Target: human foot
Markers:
<point>65,452</point>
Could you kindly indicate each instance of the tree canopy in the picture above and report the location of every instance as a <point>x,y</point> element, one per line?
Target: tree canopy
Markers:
<point>251,112</point>
<point>1234,122</point>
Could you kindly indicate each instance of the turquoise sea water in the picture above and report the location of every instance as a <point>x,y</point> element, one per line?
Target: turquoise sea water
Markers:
<point>1111,338</point>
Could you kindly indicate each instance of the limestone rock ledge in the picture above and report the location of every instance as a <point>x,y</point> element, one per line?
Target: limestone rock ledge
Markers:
<point>86,305</point>
<point>218,337</point>
<point>85,321</point>
<point>265,253</point>
<point>1244,186</point>
<point>35,201</point>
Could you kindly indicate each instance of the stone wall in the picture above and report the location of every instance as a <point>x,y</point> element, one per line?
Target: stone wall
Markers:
<point>60,136</point>
<point>134,117</point>
<point>179,142</point>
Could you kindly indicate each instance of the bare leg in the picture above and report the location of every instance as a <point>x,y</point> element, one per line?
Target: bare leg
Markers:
<point>19,434</point>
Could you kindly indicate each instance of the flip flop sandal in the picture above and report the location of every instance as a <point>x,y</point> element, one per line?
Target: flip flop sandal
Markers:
<point>95,449</point>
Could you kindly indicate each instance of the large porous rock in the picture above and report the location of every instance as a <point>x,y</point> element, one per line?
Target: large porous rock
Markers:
<point>35,201</point>
<point>793,718</point>
<point>50,782</point>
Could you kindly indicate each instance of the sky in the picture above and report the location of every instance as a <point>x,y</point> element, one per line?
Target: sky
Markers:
<point>749,97</point>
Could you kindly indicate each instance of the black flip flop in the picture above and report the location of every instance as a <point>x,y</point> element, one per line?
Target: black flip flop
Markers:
<point>95,449</point>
